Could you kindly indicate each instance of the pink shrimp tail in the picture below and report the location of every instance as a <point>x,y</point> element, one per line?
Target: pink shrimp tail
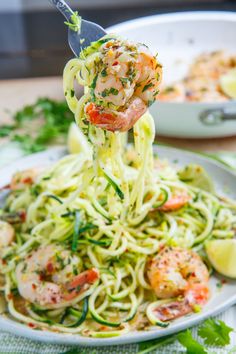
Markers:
<point>115,120</point>
<point>196,295</point>
<point>79,283</point>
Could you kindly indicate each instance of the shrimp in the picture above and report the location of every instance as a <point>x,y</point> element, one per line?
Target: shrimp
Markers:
<point>149,79</point>
<point>126,85</point>
<point>176,202</point>
<point>113,121</point>
<point>7,234</point>
<point>50,277</point>
<point>23,178</point>
<point>177,272</point>
<point>174,93</point>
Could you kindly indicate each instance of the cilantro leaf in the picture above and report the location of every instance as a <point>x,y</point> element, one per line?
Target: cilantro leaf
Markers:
<point>38,125</point>
<point>192,346</point>
<point>27,143</point>
<point>5,130</point>
<point>215,332</point>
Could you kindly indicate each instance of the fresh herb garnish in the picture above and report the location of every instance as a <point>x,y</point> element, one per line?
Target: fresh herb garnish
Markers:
<point>53,118</point>
<point>215,332</point>
<point>150,102</point>
<point>104,72</point>
<point>5,130</point>
<point>192,346</point>
<point>76,231</point>
<point>115,186</point>
<point>124,80</point>
<point>52,196</point>
<point>111,91</point>
<point>146,87</point>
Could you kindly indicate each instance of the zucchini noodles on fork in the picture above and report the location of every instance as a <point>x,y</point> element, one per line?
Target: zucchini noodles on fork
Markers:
<point>111,241</point>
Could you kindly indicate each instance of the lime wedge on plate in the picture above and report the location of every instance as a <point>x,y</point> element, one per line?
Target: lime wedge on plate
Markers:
<point>196,176</point>
<point>228,83</point>
<point>77,142</point>
<point>222,256</point>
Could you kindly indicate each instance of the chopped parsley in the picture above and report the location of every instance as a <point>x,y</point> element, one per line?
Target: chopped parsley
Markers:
<point>124,81</point>
<point>104,72</point>
<point>49,121</point>
<point>146,87</point>
<point>5,130</point>
<point>111,91</point>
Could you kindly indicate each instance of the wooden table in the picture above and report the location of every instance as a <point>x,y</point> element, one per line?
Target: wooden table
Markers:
<point>15,94</point>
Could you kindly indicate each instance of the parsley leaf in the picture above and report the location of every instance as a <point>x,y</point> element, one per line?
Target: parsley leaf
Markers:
<point>40,124</point>
<point>146,87</point>
<point>5,130</point>
<point>215,332</point>
<point>192,346</point>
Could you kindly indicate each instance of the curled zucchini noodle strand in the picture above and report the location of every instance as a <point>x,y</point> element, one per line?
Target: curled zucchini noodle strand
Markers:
<point>119,193</point>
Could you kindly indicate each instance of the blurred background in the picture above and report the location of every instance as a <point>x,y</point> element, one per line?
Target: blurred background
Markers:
<point>33,38</point>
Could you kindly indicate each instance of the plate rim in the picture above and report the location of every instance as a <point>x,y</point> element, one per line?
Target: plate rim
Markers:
<point>16,328</point>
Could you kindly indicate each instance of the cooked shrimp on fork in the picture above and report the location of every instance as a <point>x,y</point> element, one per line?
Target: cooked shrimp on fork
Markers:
<point>125,87</point>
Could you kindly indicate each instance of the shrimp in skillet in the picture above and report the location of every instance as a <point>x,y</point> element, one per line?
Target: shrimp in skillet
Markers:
<point>125,87</point>
<point>51,277</point>
<point>180,274</point>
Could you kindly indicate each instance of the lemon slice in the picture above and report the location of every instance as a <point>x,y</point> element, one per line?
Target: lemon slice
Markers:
<point>228,83</point>
<point>196,176</point>
<point>222,255</point>
<point>77,142</point>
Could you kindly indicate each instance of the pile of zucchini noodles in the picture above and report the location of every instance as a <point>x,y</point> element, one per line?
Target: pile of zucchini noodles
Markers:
<point>103,206</point>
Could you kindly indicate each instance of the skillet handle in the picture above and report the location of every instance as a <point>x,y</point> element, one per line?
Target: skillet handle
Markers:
<point>217,116</point>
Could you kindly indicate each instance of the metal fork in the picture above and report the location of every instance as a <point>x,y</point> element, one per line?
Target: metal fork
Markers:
<point>89,31</point>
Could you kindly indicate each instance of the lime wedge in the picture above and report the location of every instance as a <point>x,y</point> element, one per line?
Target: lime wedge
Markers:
<point>222,256</point>
<point>77,142</point>
<point>228,83</point>
<point>196,176</point>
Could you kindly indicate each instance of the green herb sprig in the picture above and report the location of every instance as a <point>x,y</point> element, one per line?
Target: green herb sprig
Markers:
<point>47,118</point>
<point>212,333</point>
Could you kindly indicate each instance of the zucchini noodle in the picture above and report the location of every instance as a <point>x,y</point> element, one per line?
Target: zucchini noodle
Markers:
<point>105,211</point>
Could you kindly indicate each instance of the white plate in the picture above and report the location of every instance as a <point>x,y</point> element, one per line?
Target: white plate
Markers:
<point>179,38</point>
<point>225,182</point>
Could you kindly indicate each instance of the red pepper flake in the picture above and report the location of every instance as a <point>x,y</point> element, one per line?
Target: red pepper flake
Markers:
<point>50,267</point>
<point>31,325</point>
<point>115,63</point>
<point>34,286</point>
<point>54,300</point>
<point>10,296</point>
<point>27,180</point>
<point>22,215</point>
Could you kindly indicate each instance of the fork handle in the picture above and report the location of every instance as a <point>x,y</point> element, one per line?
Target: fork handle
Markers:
<point>63,7</point>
